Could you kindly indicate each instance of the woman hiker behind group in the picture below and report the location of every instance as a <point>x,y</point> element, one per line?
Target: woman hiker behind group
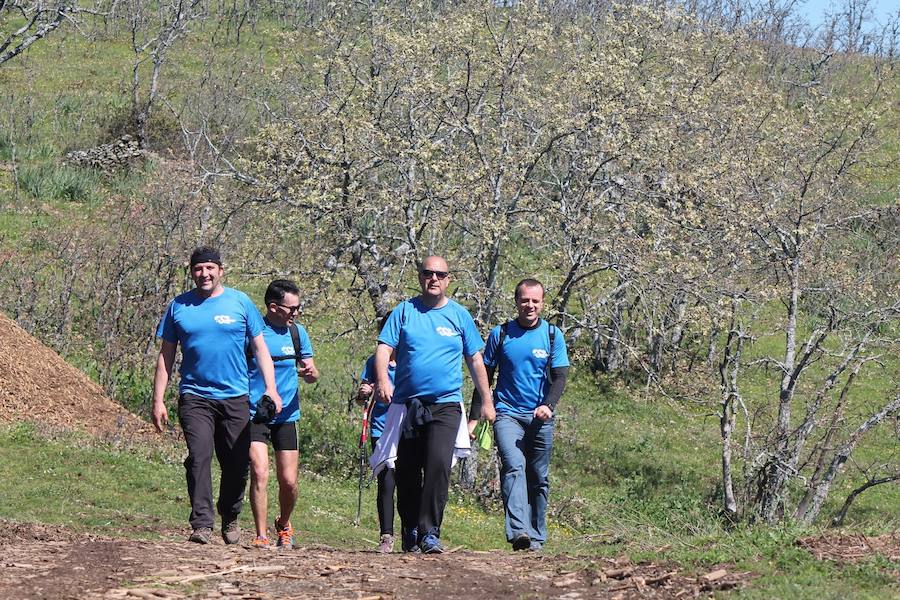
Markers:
<point>386,483</point>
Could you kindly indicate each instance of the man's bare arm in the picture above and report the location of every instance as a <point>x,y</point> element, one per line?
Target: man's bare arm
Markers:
<point>267,368</point>
<point>480,379</point>
<point>165,362</point>
<point>384,388</point>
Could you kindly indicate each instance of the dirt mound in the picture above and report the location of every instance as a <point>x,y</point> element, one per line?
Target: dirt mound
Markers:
<point>37,385</point>
<point>48,562</point>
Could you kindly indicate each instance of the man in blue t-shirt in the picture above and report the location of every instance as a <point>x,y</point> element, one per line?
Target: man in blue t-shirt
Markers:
<point>430,335</point>
<point>282,300</point>
<point>212,323</point>
<point>531,357</point>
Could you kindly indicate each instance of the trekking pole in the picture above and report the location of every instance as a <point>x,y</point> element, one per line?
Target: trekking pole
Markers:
<point>363,438</point>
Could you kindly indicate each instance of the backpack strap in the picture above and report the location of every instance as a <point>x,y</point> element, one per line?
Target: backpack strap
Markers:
<point>551,329</point>
<point>499,352</point>
<point>295,338</point>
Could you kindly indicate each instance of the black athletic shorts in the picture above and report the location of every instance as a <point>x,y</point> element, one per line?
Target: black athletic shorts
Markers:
<point>282,435</point>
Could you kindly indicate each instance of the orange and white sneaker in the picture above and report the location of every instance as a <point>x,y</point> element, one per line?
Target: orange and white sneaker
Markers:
<point>260,542</point>
<point>285,535</point>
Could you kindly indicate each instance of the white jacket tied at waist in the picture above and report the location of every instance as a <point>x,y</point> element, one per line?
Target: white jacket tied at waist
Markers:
<point>385,453</point>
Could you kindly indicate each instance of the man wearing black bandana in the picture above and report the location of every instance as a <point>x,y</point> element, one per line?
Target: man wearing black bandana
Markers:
<point>212,324</point>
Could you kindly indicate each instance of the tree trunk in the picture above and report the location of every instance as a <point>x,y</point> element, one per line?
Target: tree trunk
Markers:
<point>842,455</point>
<point>728,372</point>
<point>771,501</point>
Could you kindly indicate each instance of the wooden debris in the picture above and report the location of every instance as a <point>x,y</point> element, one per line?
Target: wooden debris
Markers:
<point>660,578</point>
<point>566,580</point>
<point>241,569</point>
<point>715,575</point>
<point>331,570</point>
<point>620,573</point>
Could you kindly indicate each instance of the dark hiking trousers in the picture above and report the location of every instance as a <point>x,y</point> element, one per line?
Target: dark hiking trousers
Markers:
<point>386,485</point>
<point>223,426</point>
<point>423,470</point>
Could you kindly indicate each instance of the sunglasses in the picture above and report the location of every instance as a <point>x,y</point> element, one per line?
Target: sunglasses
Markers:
<point>428,273</point>
<point>291,309</point>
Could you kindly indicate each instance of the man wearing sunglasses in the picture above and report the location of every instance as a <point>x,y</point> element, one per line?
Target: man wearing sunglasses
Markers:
<point>430,335</point>
<point>292,353</point>
<point>212,323</point>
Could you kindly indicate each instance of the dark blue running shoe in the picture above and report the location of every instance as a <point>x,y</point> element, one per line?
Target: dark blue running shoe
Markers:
<point>409,541</point>
<point>430,544</point>
<point>521,542</point>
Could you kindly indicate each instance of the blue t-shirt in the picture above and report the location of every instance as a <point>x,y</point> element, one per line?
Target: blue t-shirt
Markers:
<point>379,412</point>
<point>430,343</point>
<point>213,333</point>
<point>522,384</point>
<point>279,342</point>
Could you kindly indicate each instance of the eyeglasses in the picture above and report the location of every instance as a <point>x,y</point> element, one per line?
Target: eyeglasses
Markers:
<point>291,309</point>
<point>428,273</point>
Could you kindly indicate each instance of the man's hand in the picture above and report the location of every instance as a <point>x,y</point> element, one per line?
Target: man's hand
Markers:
<point>543,413</point>
<point>308,371</point>
<point>276,398</point>
<point>472,424</point>
<point>364,392</point>
<point>384,392</point>
<point>160,416</point>
<point>488,411</point>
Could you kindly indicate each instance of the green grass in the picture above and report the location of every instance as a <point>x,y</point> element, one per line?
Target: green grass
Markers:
<point>69,480</point>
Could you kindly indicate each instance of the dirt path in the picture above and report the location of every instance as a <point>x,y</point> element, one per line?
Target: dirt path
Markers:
<point>46,562</point>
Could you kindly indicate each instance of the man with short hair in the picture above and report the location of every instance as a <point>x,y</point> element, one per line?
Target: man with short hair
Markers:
<point>292,353</point>
<point>430,334</point>
<point>530,355</point>
<point>212,323</point>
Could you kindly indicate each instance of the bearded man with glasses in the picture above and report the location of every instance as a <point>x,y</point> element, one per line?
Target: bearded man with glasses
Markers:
<point>292,353</point>
<point>430,335</point>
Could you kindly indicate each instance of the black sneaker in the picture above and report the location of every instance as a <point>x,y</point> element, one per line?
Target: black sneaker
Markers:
<point>521,542</point>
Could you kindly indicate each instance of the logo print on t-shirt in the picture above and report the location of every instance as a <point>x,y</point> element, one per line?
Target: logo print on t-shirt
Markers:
<point>445,331</point>
<point>224,319</point>
<point>287,349</point>
<point>539,353</point>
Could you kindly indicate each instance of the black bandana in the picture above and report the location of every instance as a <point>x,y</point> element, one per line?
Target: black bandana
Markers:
<point>206,254</point>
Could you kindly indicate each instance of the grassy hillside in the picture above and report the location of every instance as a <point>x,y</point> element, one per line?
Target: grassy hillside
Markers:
<point>635,472</point>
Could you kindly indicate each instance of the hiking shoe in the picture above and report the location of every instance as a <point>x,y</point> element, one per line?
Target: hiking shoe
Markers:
<point>430,544</point>
<point>201,535</point>
<point>231,531</point>
<point>409,540</point>
<point>521,542</point>
<point>386,546</point>
<point>285,535</point>
<point>260,542</point>
<point>536,546</point>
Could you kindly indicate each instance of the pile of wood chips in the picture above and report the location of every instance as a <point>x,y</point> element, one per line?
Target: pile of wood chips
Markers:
<point>37,385</point>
